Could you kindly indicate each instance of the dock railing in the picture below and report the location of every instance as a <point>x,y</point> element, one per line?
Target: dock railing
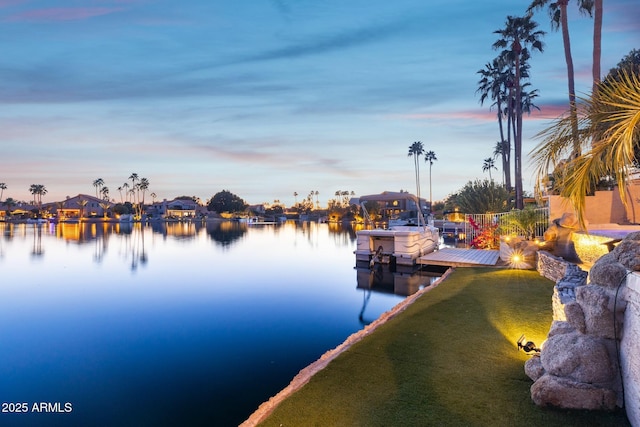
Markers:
<point>529,223</point>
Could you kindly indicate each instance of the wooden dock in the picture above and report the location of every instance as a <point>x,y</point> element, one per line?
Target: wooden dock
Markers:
<point>457,257</point>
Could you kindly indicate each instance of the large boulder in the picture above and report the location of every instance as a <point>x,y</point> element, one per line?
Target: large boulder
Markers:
<point>607,272</point>
<point>550,390</point>
<point>627,252</point>
<point>578,357</point>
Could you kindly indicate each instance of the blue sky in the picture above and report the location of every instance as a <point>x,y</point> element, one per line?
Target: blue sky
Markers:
<point>267,98</point>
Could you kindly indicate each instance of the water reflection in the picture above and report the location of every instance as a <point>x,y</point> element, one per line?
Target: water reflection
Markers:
<point>383,279</point>
<point>205,320</point>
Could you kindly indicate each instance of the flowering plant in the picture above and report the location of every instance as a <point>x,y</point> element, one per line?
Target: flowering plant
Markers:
<point>486,237</point>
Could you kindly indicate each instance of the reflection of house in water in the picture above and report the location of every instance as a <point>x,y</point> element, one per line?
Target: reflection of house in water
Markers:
<point>179,230</point>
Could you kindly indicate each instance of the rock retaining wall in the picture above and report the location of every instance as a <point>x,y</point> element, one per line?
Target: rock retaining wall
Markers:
<point>630,359</point>
<point>580,366</point>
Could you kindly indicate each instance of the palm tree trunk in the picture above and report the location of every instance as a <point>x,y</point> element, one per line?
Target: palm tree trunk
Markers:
<point>570,77</point>
<point>506,167</point>
<point>518,132</point>
<point>597,42</point>
<point>430,191</point>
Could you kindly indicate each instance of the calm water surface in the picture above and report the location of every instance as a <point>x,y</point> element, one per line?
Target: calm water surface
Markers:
<point>173,324</point>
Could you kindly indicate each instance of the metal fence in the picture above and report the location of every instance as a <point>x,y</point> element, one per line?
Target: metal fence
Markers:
<point>529,221</point>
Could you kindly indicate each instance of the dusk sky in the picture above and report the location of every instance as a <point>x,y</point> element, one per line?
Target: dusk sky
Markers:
<point>267,98</point>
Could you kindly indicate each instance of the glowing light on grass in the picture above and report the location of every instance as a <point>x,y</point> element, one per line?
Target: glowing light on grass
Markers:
<point>517,260</point>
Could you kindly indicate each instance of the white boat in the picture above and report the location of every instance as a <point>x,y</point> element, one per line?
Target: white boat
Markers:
<point>399,244</point>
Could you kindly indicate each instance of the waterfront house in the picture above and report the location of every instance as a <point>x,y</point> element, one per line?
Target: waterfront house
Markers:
<point>80,206</point>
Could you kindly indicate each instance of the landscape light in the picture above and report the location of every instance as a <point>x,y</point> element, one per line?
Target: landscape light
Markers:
<point>528,346</point>
<point>517,260</point>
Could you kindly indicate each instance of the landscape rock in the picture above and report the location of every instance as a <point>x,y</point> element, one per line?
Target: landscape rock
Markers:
<point>597,304</point>
<point>560,327</point>
<point>550,390</point>
<point>575,316</point>
<point>627,252</point>
<point>578,357</point>
<point>533,368</point>
<point>608,273</point>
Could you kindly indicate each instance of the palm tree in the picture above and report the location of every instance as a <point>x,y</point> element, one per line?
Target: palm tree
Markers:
<point>489,163</point>
<point>559,20</point>
<point>3,187</point>
<point>105,193</point>
<point>416,150</point>
<point>153,197</point>
<point>295,197</point>
<point>496,77</point>
<point>133,177</point>
<point>609,128</point>
<point>38,190</point>
<point>82,203</point>
<point>125,187</point>
<point>143,186</point>
<point>519,37</point>
<point>9,204</point>
<point>105,206</point>
<point>430,157</point>
<point>98,183</point>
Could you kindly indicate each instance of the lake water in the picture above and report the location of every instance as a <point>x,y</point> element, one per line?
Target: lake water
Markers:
<point>173,324</point>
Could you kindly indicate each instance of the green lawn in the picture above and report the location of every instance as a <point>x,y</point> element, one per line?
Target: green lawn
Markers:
<point>450,359</point>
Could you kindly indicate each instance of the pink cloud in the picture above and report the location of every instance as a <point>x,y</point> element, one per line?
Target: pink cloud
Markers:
<point>549,111</point>
<point>63,14</point>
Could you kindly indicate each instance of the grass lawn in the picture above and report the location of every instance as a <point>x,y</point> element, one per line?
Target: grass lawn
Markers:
<point>450,359</point>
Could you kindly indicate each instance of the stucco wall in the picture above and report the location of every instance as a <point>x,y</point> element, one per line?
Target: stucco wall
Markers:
<point>604,207</point>
<point>630,358</point>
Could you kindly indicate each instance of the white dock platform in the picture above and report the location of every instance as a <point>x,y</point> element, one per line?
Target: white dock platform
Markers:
<point>456,257</point>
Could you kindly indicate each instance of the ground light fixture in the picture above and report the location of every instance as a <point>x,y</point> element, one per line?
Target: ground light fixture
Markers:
<point>527,346</point>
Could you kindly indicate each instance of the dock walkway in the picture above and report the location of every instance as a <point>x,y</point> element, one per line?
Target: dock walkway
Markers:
<point>457,257</point>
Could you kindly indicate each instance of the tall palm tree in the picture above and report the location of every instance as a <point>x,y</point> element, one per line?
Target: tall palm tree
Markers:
<point>416,150</point>
<point>559,20</point>
<point>609,129</point>
<point>489,163</point>
<point>125,187</point>
<point>105,193</point>
<point>98,183</point>
<point>430,157</point>
<point>3,187</point>
<point>38,190</point>
<point>519,37</point>
<point>494,83</point>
